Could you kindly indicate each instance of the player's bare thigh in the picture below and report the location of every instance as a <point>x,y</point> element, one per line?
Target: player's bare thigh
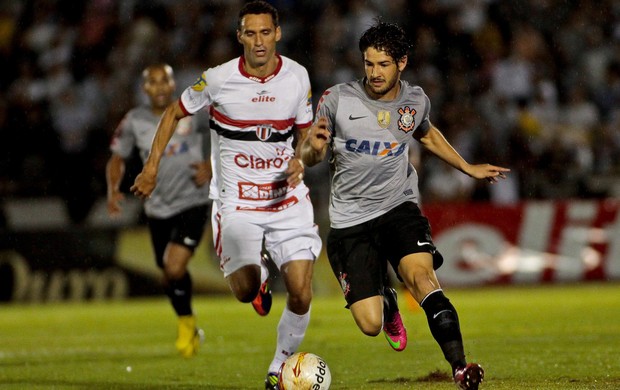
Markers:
<point>418,274</point>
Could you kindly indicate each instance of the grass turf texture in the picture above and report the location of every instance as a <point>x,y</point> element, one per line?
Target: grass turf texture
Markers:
<point>553,337</point>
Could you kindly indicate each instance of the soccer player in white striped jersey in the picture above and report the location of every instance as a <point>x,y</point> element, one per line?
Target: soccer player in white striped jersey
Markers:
<point>368,124</point>
<point>259,103</point>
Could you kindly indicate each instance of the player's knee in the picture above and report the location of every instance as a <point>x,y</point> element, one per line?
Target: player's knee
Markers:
<point>245,296</point>
<point>422,282</point>
<point>299,302</point>
<point>174,271</point>
<point>370,329</point>
<point>245,283</point>
<point>244,291</point>
<point>369,326</point>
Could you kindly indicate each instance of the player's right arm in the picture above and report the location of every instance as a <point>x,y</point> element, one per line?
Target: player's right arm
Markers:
<point>114,171</point>
<point>147,179</point>
<point>314,146</point>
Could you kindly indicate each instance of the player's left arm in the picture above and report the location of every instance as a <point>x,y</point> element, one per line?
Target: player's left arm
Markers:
<point>434,141</point>
<point>202,169</point>
<point>296,169</point>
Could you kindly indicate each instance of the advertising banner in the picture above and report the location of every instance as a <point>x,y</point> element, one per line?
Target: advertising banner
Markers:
<point>530,242</point>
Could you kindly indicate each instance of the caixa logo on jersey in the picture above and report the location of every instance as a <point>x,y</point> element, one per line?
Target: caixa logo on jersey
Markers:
<point>375,148</point>
<point>263,132</point>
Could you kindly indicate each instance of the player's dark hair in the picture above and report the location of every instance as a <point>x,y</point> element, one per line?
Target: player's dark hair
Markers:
<point>388,37</point>
<point>257,7</point>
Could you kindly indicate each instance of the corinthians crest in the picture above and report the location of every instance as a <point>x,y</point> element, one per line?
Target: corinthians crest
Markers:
<point>407,121</point>
<point>383,119</point>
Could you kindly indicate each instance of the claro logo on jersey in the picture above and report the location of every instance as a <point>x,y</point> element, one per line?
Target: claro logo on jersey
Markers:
<point>375,148</point>
<point>253,162</point>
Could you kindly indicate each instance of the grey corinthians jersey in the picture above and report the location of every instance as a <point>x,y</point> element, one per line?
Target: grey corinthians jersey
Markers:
<point>370,169</point>
<point>175,190</point>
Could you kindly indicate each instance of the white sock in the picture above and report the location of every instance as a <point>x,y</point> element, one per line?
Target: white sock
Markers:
<point>264,273</point>
<point>291,331</point>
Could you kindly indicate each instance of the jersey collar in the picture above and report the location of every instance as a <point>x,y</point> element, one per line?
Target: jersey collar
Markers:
<point>261,80</point>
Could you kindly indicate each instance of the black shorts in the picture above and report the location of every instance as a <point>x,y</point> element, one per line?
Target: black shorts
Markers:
<point>185,228</point>
<point>359,254</point>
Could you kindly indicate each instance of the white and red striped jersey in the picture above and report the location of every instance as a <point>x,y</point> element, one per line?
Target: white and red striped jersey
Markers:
<point>255,120</point>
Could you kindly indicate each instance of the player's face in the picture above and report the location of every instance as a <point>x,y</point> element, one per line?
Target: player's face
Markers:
<point>159,86</point>
<point>258,35</point>
<point>382,73</point>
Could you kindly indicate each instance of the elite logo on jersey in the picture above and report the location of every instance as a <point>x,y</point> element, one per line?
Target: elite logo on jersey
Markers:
<point>383,119</point>
<point>406,122</point>
<point>263,132</point>
<point>263,97</point>
<point>200,84</point>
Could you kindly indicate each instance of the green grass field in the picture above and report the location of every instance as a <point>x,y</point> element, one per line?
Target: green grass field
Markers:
<point>555,337</point>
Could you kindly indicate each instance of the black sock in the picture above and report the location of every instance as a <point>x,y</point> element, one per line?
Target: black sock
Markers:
<point>390,303</point>
<point>180,293</point>
<point>444,325</point>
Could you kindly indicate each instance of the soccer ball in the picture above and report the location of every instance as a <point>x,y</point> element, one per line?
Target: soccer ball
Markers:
<point>304,371</point>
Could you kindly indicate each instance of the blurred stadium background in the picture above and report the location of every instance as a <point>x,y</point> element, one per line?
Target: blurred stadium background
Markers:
<point>531,85</point>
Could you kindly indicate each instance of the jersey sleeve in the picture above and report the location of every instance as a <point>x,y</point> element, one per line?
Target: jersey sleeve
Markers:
<point>304,109</point>
<point>425,123</point>
<point>123,139</point>
<point>327,107</point>
<point>196,96</point>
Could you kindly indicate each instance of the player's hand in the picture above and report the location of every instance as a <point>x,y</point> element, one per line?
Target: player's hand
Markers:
<point>203,172</point>
<point>144,184</point>
<point>489,172</point>
<point>295,172</point>
<point>319,135</point>
<point>114,203</point>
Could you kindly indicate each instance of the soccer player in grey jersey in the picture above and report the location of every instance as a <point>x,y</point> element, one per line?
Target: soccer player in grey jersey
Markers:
<point>375,219</point>
<point>177,210</point>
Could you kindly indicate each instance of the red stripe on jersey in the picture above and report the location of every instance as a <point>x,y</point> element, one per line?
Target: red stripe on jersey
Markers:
<point>276,124</point>
<point>218,237</point>
<point>304,125</point>
<point>183,108</point>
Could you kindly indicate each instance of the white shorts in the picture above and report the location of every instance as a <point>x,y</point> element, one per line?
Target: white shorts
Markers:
<point>290,234</point>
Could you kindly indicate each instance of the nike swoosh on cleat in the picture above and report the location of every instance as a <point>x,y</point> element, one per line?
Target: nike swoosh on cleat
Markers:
<point>420,243</point>
<point>394,345</point>
<point>352,118</point>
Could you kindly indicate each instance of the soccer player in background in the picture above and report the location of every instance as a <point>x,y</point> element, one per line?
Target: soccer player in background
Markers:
<point>374,214</point>
<point>177,210</point>
<point>258,102</point>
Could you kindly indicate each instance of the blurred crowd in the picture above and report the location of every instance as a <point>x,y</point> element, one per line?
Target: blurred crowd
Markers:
<point>533,85</point>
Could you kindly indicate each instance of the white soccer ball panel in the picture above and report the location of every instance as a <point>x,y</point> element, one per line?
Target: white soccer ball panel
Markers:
<point>304,371</point>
